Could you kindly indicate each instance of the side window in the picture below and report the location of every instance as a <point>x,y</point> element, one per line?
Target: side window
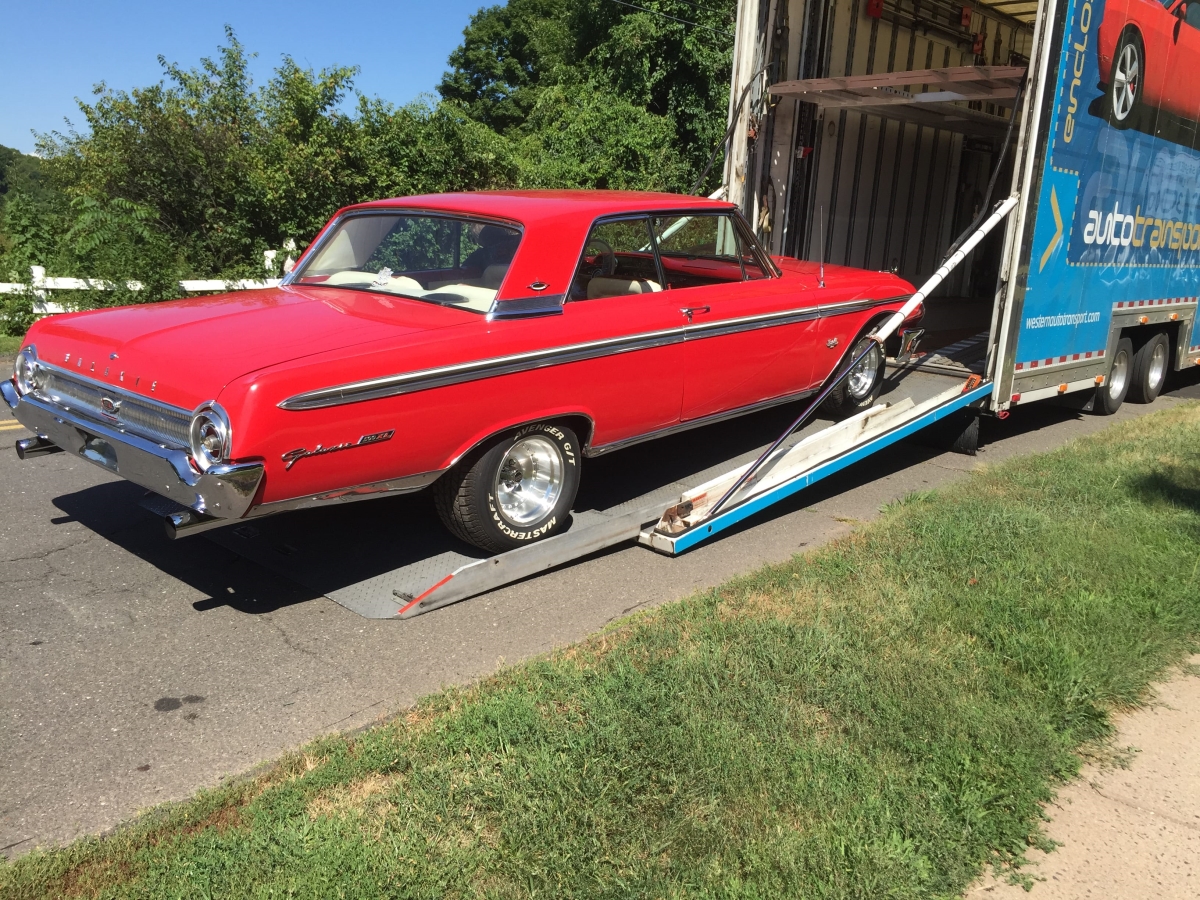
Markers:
<point>617,260</point>
<point>1192,16</point>
<point>698,250</point>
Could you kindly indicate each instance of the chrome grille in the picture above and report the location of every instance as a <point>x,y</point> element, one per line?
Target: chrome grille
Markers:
<point>154,421</point>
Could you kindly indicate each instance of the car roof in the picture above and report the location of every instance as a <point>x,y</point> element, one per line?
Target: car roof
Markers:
<point>530,207</point>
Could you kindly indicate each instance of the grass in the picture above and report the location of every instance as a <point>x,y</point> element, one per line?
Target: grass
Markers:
<point>883,718</point>
<point>9,344</point>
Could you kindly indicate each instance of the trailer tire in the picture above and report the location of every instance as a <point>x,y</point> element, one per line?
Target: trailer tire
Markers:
<point>1149,370</point>
<point>1111,394</point>
<point>514,490</point>
<point>861,388</point>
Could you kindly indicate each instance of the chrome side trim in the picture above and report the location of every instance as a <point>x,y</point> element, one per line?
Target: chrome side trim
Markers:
<point>851,306</point>
<point>406,485</point>
<point>698,423</point>
<point>424,379</point>
<point>698,330</point>
<point>441,376</point>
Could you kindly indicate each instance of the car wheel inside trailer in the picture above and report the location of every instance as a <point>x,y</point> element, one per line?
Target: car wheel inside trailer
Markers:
<point>1149,369</point>
<point>514,490</point>
<point>1111,394</point>
<point>860,389</point>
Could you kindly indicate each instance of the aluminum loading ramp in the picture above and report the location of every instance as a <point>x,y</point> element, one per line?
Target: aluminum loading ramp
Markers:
<point>391,558</point>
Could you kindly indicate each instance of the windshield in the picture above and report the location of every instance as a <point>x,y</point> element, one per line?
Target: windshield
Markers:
<point>438,258</point>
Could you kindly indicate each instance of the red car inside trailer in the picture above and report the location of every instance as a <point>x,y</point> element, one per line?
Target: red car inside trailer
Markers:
<point>1148,51</point>
<point>481,343</point>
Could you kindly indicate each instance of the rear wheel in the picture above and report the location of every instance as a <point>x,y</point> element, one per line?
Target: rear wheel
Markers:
<point>516,490</point>
<point>860,389</point>
<point>1149,369</point>
<point>1111,394</point>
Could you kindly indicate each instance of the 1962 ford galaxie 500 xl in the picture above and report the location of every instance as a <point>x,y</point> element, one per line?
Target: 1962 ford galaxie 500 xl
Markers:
<point>483,344</point>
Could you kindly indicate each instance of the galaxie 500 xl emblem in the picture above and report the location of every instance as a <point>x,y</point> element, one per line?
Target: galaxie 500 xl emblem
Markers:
<point>299,453</point>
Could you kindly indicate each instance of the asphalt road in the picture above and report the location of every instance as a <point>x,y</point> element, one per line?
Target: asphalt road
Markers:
<point>135,670</point>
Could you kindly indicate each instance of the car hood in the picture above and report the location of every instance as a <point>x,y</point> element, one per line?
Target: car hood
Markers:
<point>184,352</point>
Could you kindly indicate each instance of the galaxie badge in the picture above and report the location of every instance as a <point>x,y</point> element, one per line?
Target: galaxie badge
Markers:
<point>293,456</point>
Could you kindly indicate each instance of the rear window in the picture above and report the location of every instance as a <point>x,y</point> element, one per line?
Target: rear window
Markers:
<point>443,259</point>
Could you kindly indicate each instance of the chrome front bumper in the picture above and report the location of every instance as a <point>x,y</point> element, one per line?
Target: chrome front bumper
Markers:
<point>223,492</point>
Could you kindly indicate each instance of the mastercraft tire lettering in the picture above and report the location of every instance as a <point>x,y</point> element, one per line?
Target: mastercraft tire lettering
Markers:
<point>513,491</point>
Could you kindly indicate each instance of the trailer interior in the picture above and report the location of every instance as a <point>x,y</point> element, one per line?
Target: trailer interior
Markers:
<point>870,138</point>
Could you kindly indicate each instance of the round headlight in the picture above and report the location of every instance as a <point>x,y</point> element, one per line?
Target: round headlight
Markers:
<point>210,435</point>
<point>26,372</point>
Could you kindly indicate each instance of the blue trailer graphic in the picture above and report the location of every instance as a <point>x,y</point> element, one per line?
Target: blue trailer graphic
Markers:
<point>1116,239</point>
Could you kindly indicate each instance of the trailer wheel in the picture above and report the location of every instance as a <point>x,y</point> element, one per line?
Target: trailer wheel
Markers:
<point>1111,394</point>
<point>1124,96</point>
<point>861,387</point>
<point>1149,369</point>
<point>513,491</point>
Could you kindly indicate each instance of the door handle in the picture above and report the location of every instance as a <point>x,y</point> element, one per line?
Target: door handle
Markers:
<point>690,311</point>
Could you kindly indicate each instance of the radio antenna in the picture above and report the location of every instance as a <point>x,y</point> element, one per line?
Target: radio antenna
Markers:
<point>821,252</point>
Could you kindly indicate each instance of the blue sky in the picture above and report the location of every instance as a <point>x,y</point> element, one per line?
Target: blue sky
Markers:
<point>53,52</point>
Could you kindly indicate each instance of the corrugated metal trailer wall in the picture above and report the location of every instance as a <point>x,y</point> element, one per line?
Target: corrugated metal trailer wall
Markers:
<point>859,188</point>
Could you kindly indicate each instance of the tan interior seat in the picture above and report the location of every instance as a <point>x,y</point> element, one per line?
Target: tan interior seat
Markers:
<point>467,296</point>
<point>491,278</point>
<point>605,286</point>
<point>493,275</point>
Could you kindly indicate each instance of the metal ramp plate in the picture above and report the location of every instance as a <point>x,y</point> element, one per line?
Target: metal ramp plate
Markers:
<point>391,558</point>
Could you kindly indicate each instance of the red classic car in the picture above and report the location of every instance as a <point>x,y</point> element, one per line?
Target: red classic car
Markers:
<point>1148,51</point>
<point>483,343</point>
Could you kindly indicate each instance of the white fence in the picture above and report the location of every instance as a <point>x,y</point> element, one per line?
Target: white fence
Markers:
<point>40,283</point>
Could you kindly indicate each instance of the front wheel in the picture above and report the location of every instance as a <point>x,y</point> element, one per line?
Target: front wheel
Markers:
<point>860,389</point>
<point>516,490</point>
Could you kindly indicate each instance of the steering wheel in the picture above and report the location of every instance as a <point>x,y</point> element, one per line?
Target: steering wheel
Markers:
<point>607,259</point>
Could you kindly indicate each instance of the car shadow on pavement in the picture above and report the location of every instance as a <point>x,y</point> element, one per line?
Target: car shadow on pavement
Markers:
<point>111,511</point>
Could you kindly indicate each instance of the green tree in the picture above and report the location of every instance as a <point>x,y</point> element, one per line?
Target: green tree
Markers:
<point>218,170</point>
<point>196,175</point>
<point>661,74</point>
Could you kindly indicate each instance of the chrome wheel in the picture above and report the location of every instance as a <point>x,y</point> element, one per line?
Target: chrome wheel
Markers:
<point>861,380</point>
<point>1118,375</point>
<point>1158,367</point>
<point>1126,77</point>
<point>529,480</point>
